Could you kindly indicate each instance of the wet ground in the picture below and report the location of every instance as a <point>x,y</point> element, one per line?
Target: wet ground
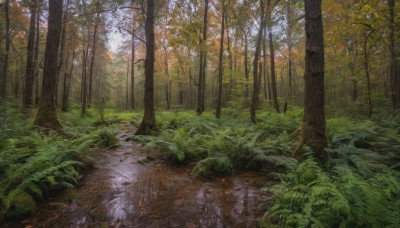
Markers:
<point>131,188</point>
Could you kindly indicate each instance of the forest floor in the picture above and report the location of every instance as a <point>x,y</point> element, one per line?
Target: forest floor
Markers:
<point>131,187</point>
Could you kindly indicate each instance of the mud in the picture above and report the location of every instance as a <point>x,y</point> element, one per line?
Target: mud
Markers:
<point>131,188</point>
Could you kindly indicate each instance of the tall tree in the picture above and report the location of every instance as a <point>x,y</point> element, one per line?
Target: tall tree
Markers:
<point>220,61</point>
<point>91,69</point>
<point>133,68</point>
<point>46,115</point>
<point>36,57</point>
<point>272,57</point>
<point>30,68</point>
<point>256,81</point>
<point>313,129</point>
<point>3,76</point>
<point>394,60</point>
<point>202,67</point>
<point>149,119</point>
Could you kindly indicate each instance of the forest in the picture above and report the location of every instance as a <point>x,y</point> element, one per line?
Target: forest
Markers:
<point>188,113</point>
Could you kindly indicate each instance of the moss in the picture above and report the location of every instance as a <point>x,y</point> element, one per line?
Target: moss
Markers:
<point>22,205</point>
<point>313,138</point>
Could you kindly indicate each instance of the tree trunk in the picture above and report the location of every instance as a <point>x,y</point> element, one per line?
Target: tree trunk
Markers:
<point>127,87</point>
<point>290,44</point>
<point>46,115</point>
<point>30,68</point>
<point>246,68</point>
<point>230,60</point>
<point>67,84</point>
<point>254,99</point>
<point>3,76</point>
<point>220,68</point>
<point>133,70</point>
<point>84,78</point>
<point>366,69</point>
<point>91,71</point>
<point>36,57</point>
<point>149,119</point>
<point>202,68</point>
<point>272,56</point>
<point>394,61</point>
<point>313,129</point>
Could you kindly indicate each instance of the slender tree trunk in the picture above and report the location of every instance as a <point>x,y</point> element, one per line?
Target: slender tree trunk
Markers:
<point>166,87</point>
<point>30,69</point>
<point>133,69</point>
<point>246,68</point>
<point>149,119</point>
<point>46,115</point>
<point>254,100</point>
<point>394,60</point>
<point>202,68</point>
<point>265,63</point>
<point>366,69</point>
<point>313,129</point>
<point>91,71</point>
<point>36,57</point>
<point>230,60</point>
<point>84,78</point>
<point>220,67</point>
<point>290,44</point>
<point>272,57</point>
<point>3,76</point>
<point>67,84</point>
<point>127,87</point>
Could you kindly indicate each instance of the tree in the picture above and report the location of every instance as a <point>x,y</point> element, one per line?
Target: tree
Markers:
<point>313,128</point>
<point>272,53</point>
<point>133,68</point>
<point>149,119</point>
<point>46,115</point>
<point>394,60</point>
<point>202,67</point>
<point>256,81</point>
<point>220,60</point>
<point>3,76</point>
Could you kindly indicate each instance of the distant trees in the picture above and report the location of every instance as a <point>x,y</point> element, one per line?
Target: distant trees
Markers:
<point>46,115</point>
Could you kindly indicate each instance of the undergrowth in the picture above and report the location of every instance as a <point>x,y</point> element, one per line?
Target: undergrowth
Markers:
<point>359,186</point>
<point>32,164</point>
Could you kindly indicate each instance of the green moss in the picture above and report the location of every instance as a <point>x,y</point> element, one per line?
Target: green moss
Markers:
<point>21,205</point>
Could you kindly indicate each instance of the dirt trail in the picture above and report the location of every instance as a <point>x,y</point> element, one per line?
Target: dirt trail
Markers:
<point>124,191</point>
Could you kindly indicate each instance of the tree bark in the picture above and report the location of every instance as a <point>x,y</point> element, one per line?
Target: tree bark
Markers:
<point>149,119</point>
<point>133,69</point>
<point>91,70</point>
<point>254,100</point>
<point>202,68</point>
<point>46,115</point>
<point>36,57</point>
<point>220,67</point>
<point>313,129</point>
<point>366,69</point>
<point>67,84</point>
<point>272,57</point>
<point>394,60</point>
<point>3,76</point>
<point>246,68</point>
<point>290,46</point>
<point>30,69</point>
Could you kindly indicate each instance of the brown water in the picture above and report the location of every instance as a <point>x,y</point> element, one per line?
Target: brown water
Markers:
<point>126,189</point>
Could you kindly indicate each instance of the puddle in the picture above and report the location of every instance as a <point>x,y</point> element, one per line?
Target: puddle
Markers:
<point>122,191</point>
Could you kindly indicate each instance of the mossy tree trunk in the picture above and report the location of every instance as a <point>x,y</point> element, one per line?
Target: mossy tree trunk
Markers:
<point>46,115</point>
<point>313,129</point>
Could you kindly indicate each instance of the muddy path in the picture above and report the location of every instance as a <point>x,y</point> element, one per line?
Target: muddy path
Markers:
<point>126,189</point>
